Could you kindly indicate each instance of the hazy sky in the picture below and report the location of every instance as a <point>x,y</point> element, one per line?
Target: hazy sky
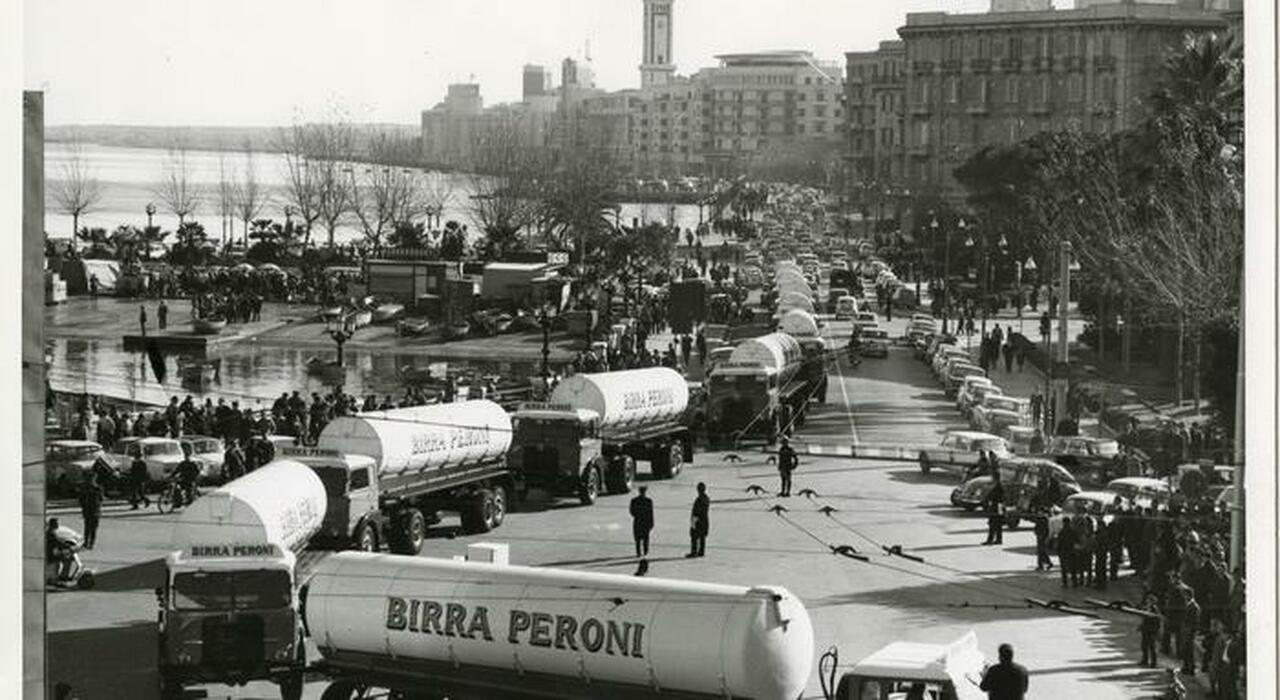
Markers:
<point>261,62</point>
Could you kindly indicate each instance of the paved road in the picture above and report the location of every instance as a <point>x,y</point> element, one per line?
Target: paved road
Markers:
<point>103,641</point>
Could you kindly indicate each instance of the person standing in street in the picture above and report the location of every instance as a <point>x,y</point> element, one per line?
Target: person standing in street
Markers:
<point>787,463</point>
<point>91,508</point>
<point>162,315</point>
<point>1008,354</point>
<point>1005,680</point>
<point>1041,520</point>
<point>699,523</point>
<point>1150,630</point>
<point>641,521</point>
<point>142,318</point>
<point>995,511</point>
<point>138,482</point>
<point>233,461</point>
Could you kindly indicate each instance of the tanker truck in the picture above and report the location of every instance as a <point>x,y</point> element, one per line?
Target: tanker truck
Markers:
<point>805,328</point>
<point>760,390</point>
<point>389,473</point>
<point>586,439</point>
<point>431,628</point>
<point>228,608</point>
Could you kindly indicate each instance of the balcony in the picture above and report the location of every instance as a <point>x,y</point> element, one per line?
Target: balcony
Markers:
<point>977,108</point>
<point>1041,108</point>
<point>1043,63</point>
<point>1104,63</point>
<point>951,66</point>
<point>1103,108</point>
<point>920,109</point>
<point>1075,63</point>
<point>980,65</point>
<point>1011,64</point>
<point>919,150</point>
<point>922,67</point>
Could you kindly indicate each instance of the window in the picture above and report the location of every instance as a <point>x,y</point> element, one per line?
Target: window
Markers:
<point>1044,89</point>
<point>1011,89</point>
<point>953,90</point>
<point>799,128</point>
<point>984,90</point>
<point>924,133</point>
<point>820,111</point>
<point>924,91</point>
<point>982,47</point>
<point>1075,87</point>
<point>1013,131</point>
<point>821,96</point>
<point>359,479</point>
<point>820,127</point>
<point>800,112</point>
<point>1015,47</point>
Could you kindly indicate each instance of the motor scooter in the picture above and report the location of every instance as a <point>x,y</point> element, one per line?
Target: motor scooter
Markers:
<point>76,575</point>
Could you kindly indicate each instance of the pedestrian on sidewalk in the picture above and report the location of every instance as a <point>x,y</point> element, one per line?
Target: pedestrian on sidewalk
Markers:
<point>138,482</point>
<point>1041,524</point>
<point>1008,355</point>
<point>162,315</point>
<point>1005,680</point>
<point>1021,357</point>
<point>1066,550</point>
<point>142,318</point>
<point>1150,630</point>
<point>91,508</point>
<point>787,463</point>
<point>699,523</point>
<point>641,521</point>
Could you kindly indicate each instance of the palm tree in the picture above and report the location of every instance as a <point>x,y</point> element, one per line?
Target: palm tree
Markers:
<point>1204,80</point>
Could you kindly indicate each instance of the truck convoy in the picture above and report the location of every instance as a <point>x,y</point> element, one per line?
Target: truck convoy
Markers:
<point>387,474</point>
<point>431,628</point>
<point>804,327</point>
<point>586,439</point>
<point>228,611</point>
<point>761,390</point>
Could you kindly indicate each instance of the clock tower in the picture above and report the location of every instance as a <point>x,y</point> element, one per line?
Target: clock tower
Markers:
<point>657,67</point>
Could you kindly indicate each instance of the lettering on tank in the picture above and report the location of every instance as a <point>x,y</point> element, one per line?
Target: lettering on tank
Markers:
<point>524,627</point>
<point>442,440</point>
<point>641,399</point>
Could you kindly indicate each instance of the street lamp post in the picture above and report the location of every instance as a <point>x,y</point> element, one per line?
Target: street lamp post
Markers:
<point>151,212</point>
<point>341,332</point>
<point>544,320</point>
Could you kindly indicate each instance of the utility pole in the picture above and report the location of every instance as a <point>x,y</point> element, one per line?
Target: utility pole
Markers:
<point>1060,378</point>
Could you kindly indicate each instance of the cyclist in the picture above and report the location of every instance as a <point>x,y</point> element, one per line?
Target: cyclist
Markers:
<point>186,475</point>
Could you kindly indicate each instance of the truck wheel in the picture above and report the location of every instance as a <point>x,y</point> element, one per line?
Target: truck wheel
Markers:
<point>410,533</point>
<point>589,487</point>
<point>496,509</point>
<point>367,541</point>
<point>291,686</point>
<point>675,460</point>
<point>340,690</point>
<point>621,474</point>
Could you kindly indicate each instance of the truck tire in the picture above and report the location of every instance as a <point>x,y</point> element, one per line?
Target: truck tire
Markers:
<point>589,485</point>
<point>621,474</point>
<point>366,539</point>
<point>291,686</point>
<point>497,510</point>
<point>410,532</point>
<point>340,690</point>
<point>675,460</point>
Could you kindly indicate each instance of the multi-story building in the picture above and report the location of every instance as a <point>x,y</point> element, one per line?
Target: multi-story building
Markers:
<point>996,78</point>
<point>657,65</point>
<point>535,82</point>
<point>873,103</point>
<point>449,128</point>
<point>768,106</point>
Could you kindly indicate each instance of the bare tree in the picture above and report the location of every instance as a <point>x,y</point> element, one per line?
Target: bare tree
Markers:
<point>504,178</point>
<point>250,196</point>
<point>301,185</point>
<point>331,148</point>
<point>437,193</point>
<point>386,194</point>
<point>226,196</point>
<point>179,192</point>
<point>77,192</point>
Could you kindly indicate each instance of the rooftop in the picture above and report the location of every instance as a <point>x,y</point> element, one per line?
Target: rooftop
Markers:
<point>1139,12</point>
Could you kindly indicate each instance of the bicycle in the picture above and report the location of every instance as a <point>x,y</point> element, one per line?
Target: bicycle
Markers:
<point>173,497</point>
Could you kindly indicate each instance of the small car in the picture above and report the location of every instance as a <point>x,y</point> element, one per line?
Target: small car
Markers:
<point>1022,479</point>
<point>956,372</point>
<point>209,453</point>
<point>996,412</point>
<point>162,456</point>
<point>846,307</point>
<point>1091,459</point>
<point>866,319</point>
<point>960,449</point>
<point>943,353</point>
<point>875,342</point>
<point>1143,491</point>
<point>67,462</point>
<point>972,390</point>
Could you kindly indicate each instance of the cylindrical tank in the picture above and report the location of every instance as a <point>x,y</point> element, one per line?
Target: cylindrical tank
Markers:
<point>282,503</point>
<point>798,323</point>
<point>626,397</point>
<point>789,284</point>
<point>681,636</point>
<point>777,352</point>
<point>795,300</point>
<point>423,437</point>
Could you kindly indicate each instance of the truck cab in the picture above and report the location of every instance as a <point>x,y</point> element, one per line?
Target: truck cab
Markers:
<point>814,350</point>
<point>229,614</point>
<point>744,400</point>
<point>917,671</point>
<point>558,448</point>
<point>352,498</point>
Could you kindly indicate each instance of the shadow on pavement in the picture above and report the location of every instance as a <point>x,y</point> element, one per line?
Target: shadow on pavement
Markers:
<point>135,577</point>
<point>105,663</point>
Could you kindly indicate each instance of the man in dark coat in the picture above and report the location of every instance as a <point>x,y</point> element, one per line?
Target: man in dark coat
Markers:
<point>787,463</point>
<point>1006,680</point>
<point>91,508</point>
<point>642,521</point>
<point>995,511</point>
<point>699,523</point>
<point>138,482</point>
<point>233,463</point>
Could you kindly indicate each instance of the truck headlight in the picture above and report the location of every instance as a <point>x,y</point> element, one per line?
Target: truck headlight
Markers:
<point>285,652</point>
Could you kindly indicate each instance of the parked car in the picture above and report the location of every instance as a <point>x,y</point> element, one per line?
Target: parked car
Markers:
<point>1022,480</point>
<point>866,319</point>
<point>1023,439</point>
<point>960,450</point>
<point>996,412</point>
<point>875,342</point>
<point>955,375</point>
<point>1088,502</point>
<point>944,354</point>
<point>1214,479</point>
<point>1142,490</point>
<point>209,453</point>
<point>972,390</point>
<point>67,462</point>
<point>1091,459</point>
<point>846,307</point>
<point>162,456</point>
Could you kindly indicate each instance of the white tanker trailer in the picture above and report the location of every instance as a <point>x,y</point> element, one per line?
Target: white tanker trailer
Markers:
<point>587,437</point>
<point>388,473</point>
<point>228,612</point>
<point>431,628</point>
<point>762,390</point>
